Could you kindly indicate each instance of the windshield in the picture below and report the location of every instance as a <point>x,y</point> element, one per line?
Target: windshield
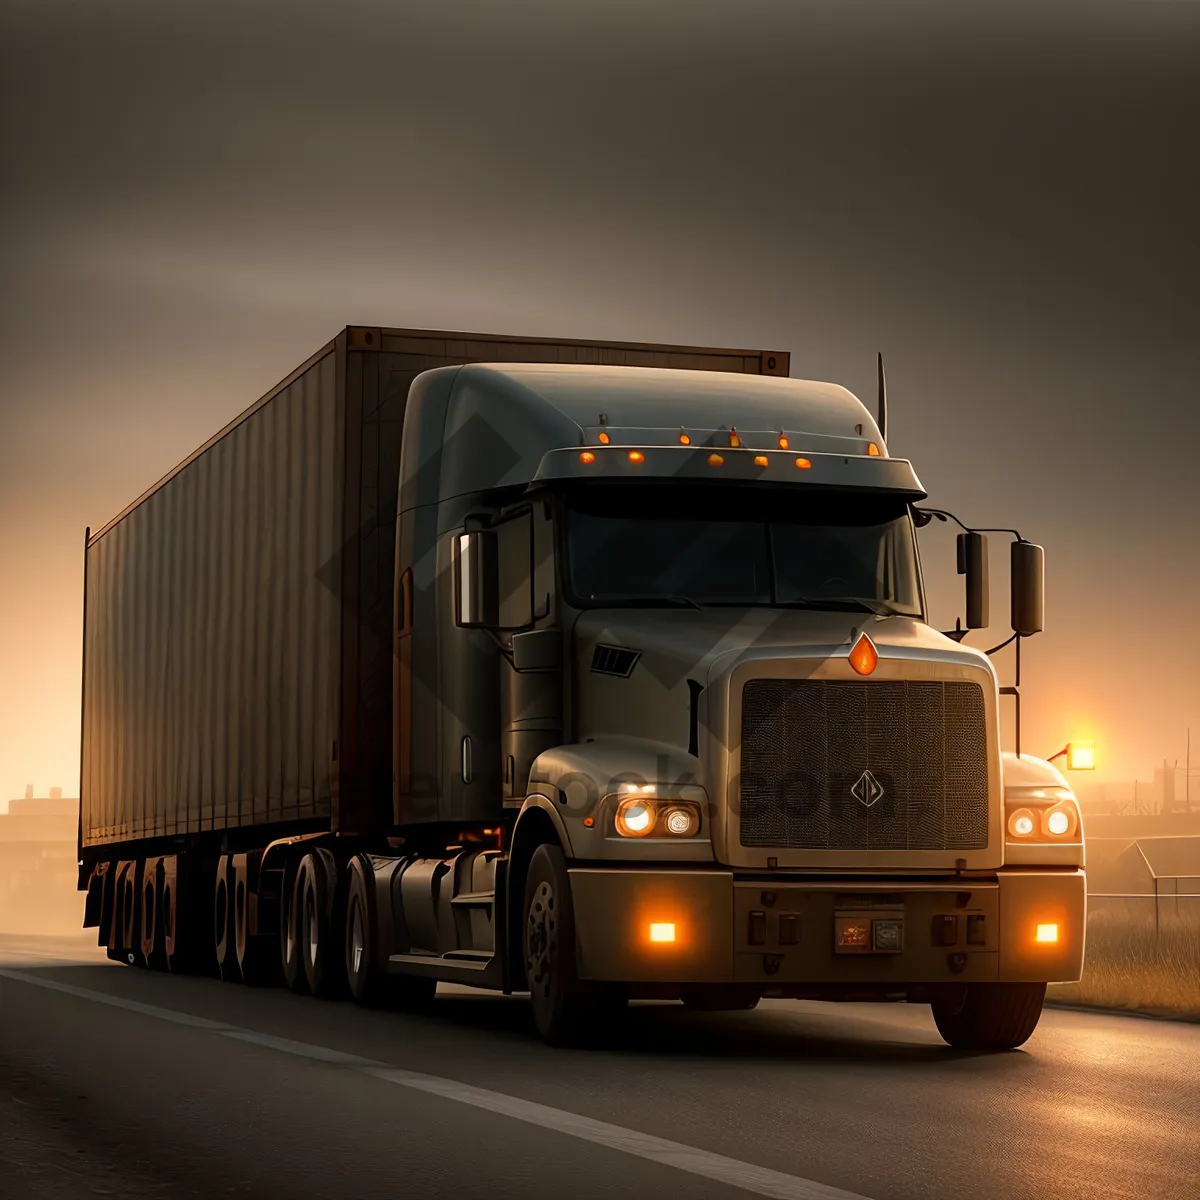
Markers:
<point>677,545</point>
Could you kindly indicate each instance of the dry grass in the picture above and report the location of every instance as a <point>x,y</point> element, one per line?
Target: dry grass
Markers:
<point>1128,967</point>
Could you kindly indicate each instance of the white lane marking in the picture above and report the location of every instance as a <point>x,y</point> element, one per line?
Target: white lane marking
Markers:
<point>747,1176</point>
<point>146,1010</point>
<point>761,1181</point>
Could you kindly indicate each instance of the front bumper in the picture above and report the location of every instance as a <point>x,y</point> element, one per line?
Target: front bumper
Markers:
<point>712,926</point>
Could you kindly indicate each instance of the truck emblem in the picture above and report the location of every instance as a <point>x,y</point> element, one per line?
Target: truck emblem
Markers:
<point>867,789</point>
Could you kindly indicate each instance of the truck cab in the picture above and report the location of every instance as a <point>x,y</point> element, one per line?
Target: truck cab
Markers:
<point>662,635</point>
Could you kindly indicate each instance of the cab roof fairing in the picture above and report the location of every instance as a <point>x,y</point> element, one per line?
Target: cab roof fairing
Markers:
<point>471,429</point>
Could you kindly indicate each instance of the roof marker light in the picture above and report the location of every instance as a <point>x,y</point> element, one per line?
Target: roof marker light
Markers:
<point>803,464</point>
<point>734,439</point>
<point>783,442</point>
<point>636,456</point>
<point>873,450</point>
<point>684,440</point>
<point>603,438</point>
<point>864,657</point>
<point>587,457</point>
<point>760,460</point>
<point>715,460</point>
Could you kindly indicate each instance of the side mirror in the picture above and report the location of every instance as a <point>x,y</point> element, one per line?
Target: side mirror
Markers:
<point>973,563</point>
<point>476,581</point>
<point>1028,588</point>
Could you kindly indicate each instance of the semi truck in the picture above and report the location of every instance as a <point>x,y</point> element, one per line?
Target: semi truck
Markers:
<point>594,671</point>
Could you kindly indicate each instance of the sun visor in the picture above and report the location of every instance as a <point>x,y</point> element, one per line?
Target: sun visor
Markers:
<point>689,464</point>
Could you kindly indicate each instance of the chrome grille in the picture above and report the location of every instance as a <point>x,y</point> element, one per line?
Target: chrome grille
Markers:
<point>808,746</point>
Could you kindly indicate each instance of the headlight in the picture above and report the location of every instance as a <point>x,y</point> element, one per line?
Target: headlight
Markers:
<point>682,821</point>
<point>1049,814</point>
<point>635,817</point>
<point>1021,823</point>
<point>640,815</point>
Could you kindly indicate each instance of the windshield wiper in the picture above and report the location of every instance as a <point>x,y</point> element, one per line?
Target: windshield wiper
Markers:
<point>663,598</point>
<point>880,608</point>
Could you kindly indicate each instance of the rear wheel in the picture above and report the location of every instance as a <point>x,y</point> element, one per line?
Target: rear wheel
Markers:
<point>367,975</point>
<point>321,929</point>
<point>993,1016</point>
<point>290,960</point>
<point>224,930</point>
<point>564,1006</point>
<point>150,920</point>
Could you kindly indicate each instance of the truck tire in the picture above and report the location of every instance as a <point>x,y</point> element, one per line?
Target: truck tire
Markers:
<point>290,960</point>
<point>720,997</point>
<point>320,928</point>
<point>367,975</point>
<point>364,974</point>
<point>564,1006</point>
<point>151,950</point>
<point>224,934</point>
<point>994,1016</point>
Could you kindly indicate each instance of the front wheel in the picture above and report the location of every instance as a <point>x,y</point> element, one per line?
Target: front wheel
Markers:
<point>564,1006</point>
<point>993,1016</point>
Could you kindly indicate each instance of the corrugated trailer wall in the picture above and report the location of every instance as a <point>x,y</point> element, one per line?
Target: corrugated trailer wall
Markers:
<point>239,615</point>
<point>213,633</point>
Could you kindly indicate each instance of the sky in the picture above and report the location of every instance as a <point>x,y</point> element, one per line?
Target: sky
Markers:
<point>1001,197</point>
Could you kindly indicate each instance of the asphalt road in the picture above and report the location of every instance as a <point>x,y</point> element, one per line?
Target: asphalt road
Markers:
<point>116,1081</point>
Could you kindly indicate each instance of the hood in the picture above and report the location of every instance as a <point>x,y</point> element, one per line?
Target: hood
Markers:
<point>646,689</point>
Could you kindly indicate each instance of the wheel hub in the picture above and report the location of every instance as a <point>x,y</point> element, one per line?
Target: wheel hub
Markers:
<point>541,940</point>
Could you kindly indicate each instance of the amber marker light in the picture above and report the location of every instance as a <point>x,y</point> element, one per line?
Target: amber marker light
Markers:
<point>587,457</point>
<point>684,440</point>
<point>636,456</point>
<point>715,460</point>
<point>760,460</point>
<point>1081,756</point>
<point>873,450</point>
<point>783,442</point>
<point>1047,934</point>
<point>803,464</point>
<point>603,438</point>
<point>662,931</point>
<point>589,822</point>
<point>864,657</point>
<point>734,440</point>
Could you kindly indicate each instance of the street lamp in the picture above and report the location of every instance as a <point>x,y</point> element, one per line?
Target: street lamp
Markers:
<point>1080,756</point>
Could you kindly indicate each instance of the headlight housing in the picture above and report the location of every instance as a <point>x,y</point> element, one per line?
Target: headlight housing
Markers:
<point>1042,815</point>
<point>641,812</point>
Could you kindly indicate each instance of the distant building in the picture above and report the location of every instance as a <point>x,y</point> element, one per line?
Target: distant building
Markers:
<point>39,862</point>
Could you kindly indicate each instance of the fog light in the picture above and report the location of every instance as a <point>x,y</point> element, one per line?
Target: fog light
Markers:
<point>662,931</point>
<point>1047,933</point>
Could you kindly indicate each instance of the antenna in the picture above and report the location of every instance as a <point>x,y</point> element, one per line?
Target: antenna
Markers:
<point>882,400</point>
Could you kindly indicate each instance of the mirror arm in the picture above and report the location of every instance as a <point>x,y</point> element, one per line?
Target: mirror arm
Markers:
<point>506,651</point>
<point>1006,642</point>
<point>1015,690</point>
<point>923,516</point>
